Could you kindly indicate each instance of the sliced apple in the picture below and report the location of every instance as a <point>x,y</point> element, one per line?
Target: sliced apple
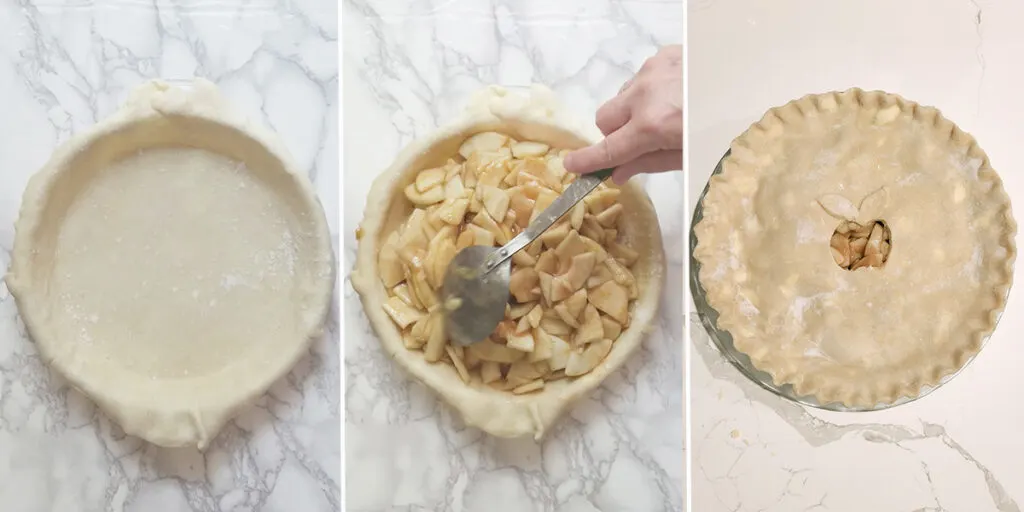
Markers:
<point>583,362</point>
<point>429,179</point>
<point>460,367</point>
<point>612,329</point>
<point>590,329</point>
<point>522,342</point>
<point>576,302</point>
<point>612,299</point>
<point>560,351</point>
<point>528,149</point>
<point>425,198</point>
<point>522,282</point>
<point>482,142</point>
<point>609,216</point>
<point>488,350</point>
<point>495,200</point>
<point>387,261</point>
<point>490,371</point>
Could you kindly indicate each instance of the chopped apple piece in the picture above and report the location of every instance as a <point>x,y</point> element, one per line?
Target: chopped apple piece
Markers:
<point>454,189</point>
<point>577,302</point>
<point>612,299</point>
<point>426,198</point>
<point>529,149</point>
<point>484,220</point>
<point>612,329</point>
<point>554,236</point>
<point>585,361</point>
<point>518,311</point>
<point>541,346</point>
<point>555,326</point>
<point>547,262</point>
<point>535,316</point>
<point>460,367</point>
<point>429,179</point>
<point>590,329</point>
<point>391,272</point>
<point>601,199</point>
<point>530,387</point>
<point>624,254</point>
<point>521,372</point>
<point>563,312</point>
<point>495,200</point>
<point>482,142</point>
<point>453,211</point>
<point>579,270</point>
<point>402,292</point>
<point>560,351</point>
<point>490,371</point>
<point>523,342</point>
<point>488,350</point>
<point>436,342</point>
<point>522,282</point>
<point>401,313</point>
<point>609,216</point>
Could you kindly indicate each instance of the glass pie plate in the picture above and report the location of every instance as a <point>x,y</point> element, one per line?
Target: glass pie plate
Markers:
<point>723,340</point>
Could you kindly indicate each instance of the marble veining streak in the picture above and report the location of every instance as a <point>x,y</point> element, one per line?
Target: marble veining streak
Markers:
<point>958,448</point>
<point>65,64</point>
<point>408,68</point>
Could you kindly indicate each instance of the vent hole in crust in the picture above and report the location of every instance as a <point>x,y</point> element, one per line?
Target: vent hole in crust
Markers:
<point>855,246</point>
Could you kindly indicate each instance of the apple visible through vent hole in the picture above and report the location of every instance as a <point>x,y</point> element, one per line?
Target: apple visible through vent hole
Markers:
<point>855,246</point>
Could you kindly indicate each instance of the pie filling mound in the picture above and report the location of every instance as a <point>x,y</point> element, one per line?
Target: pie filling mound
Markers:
<point>572,290</point>
<point>857,246</point>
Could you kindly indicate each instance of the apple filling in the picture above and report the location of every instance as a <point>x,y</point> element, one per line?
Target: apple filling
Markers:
<point>571,290</point>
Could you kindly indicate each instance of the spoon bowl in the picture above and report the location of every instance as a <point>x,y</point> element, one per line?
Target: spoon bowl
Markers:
<point>474,298</point>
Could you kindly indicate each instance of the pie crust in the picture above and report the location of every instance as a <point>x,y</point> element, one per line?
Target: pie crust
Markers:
<point>172,263</point>
<point>870,336</point>
<point>532,116</point>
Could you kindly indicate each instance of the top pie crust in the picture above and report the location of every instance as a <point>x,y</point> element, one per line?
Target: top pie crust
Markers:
<point>535,116</point>
<point>870,336</point>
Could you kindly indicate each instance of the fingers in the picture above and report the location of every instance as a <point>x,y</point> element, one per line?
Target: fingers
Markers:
<point>621,146</point>
<point>658,161</point>
<point>614,114</point>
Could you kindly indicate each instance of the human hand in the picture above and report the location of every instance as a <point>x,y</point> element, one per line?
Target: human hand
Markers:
<point>643,124</point>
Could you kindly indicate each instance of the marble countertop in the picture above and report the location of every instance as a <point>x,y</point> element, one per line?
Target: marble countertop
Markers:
<point>408,68</point>
<point>65,64</point>
<point>957,449</point>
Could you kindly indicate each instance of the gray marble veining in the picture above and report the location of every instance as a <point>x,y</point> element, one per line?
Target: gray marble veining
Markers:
<point>65,64</point>
<point>408,68</point>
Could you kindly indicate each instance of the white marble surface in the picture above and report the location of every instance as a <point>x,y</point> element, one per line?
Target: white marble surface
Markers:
<point>408,67</point>
<point>63,65</point>
<point>958,449</point>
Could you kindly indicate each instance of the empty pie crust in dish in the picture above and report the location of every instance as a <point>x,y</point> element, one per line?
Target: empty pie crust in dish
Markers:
<point>857,246</point>
<point>583,296</point>
<point>172,263</point>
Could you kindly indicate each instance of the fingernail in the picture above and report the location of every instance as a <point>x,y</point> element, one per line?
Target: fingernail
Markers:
<point>567,162</point>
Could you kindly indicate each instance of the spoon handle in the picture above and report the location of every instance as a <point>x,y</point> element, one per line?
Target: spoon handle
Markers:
<point>576,191</point>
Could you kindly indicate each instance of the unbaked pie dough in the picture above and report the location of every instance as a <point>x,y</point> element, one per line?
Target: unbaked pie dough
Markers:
<point>172,263</point>
<point>582,296</point>
<point>856,326</point>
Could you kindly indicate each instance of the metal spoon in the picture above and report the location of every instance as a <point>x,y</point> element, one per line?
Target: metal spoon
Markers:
<point>476,283</point>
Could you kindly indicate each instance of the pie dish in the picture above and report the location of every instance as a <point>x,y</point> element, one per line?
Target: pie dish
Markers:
<point>172,263</point>
<point>583,295</point>
<point>929,276</point>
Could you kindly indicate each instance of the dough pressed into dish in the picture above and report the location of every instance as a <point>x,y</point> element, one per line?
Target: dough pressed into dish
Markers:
<point>775,255</point>
<point>172,263</point>
<point>402,201</point>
